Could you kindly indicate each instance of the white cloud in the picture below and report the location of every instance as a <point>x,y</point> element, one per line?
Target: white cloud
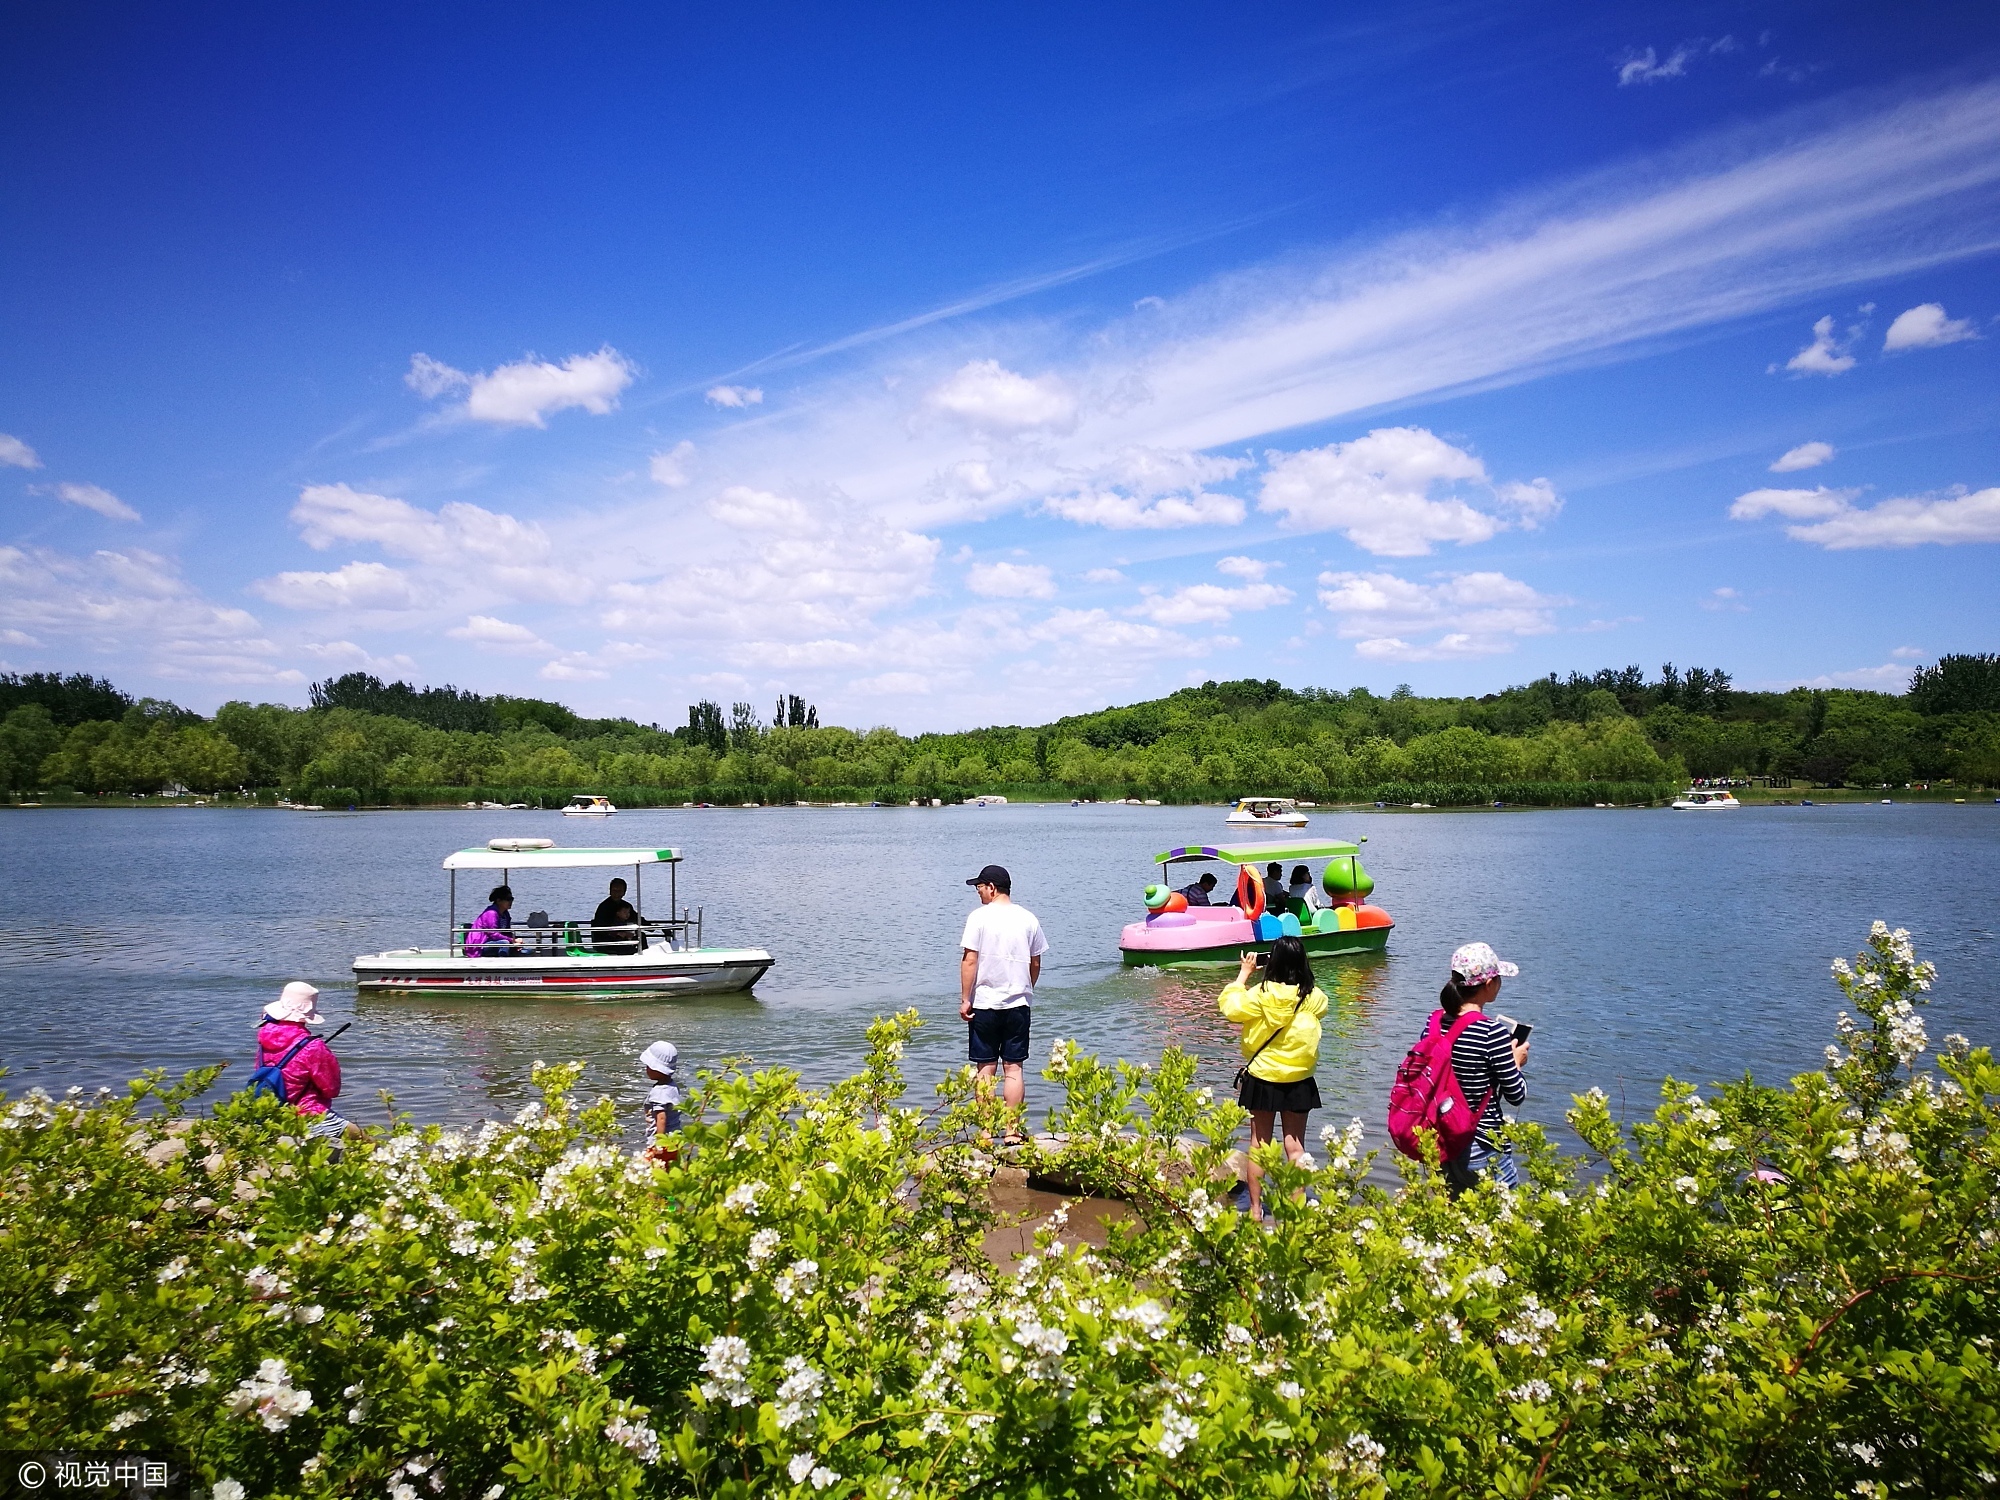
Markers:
<point>431,378</point>
<point>1210,603</point>
<point>757,510</point>
<point>1151,489</point>
<point>358,585</point>
<point>1726,600</point>
<point>15,454</point>
<point>1249,568</point>
<point>1393,493</point>
<point>1474,614</point>
<point>92,497</point>
<point>524,393</point>
<point>1890,677</point>
<point>348,655</point>
<point>1824,355</point>
<point>671,468</point>
<point>572,669</point>
<point>736,396</point>
<point>1104,575</point>
<point>1096,637</point>
<point>1909,522</point>
<point>991,398</point>
<point>1908,653</point>
<point>1926,327</point>
<point>501,635</point>
<point>1004,580</point>
<point>1648,66</point>
<point>1799,505</point>
<point>1805,456</point>
<point>135,602</point>
<point>1120,512</point>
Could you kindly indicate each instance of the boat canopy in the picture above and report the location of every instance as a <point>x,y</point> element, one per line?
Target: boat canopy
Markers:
<point>556,859</point>
<point>1250,854</point>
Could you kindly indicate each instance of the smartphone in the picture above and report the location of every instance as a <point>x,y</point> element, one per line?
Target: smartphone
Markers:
<point>1521,1030</point>
<point>1262,959</point>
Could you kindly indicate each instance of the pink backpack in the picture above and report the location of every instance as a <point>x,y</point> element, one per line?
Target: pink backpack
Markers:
<point>1426,1097</point>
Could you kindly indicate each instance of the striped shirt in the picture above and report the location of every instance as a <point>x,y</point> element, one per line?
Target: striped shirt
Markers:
<point>1483,1060</point>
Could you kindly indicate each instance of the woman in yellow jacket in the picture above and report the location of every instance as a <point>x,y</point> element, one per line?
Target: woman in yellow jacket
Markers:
<point>1280,1018</point>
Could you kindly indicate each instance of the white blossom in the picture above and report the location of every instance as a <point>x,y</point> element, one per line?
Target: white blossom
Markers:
<point>799,1393</point>
<point>762,1245</point>
<point>1177,1430</point>
<point>743,1198</point>
<point>727,1360</point>
<point>797,1280</point>
<point>635,1437</point>
<point>1688,1187</point>
<point>270,1395</point>
<point>227,1489</point>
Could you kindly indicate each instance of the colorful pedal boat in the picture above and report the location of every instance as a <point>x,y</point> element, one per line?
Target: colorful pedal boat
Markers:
<point>1222,934</point>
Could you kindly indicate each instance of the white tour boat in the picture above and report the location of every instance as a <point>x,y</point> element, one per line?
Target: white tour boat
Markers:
<point>584,806</point>
<point>566,955</point>
<point>1265,812</point>
<point>1703,798</point>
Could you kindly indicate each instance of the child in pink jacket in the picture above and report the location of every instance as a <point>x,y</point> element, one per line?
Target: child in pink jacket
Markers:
<point>312,1076</point>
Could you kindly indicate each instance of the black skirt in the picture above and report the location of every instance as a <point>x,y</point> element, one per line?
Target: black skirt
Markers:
<point>1292,1098</point>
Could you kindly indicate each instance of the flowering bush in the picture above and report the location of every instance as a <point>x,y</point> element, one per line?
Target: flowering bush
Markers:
<point>1770,1291</point>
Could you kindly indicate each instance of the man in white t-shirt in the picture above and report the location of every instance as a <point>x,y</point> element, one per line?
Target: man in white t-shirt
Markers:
<point>1000,958</point>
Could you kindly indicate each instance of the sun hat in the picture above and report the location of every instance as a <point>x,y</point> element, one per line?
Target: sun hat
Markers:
<point>1476,963</point>
<point>298,1001</point>
<point>660,1057</point>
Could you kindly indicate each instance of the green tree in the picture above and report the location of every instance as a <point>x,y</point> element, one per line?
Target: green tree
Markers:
<point>28,736</point>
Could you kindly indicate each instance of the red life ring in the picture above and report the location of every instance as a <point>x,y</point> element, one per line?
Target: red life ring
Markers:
<point>1249,892</point>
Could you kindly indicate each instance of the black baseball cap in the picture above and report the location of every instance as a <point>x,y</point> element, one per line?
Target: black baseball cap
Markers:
<point>995,876</point>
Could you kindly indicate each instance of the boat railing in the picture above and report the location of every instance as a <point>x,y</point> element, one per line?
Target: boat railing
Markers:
<point>580,937</point>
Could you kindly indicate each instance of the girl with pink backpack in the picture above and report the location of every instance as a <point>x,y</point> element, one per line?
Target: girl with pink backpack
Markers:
<point>1450,1087</point>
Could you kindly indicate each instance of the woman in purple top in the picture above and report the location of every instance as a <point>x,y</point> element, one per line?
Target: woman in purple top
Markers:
<point>492,932</point>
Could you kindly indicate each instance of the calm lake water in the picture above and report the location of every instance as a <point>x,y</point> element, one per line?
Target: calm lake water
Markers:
<point>1650,942</point>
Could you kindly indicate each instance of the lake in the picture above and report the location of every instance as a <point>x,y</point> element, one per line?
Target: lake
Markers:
<point>1650,942</point>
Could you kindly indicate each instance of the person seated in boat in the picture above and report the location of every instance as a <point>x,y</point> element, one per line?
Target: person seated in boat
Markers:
<point>1198,892</point>
<point>1276,902</point>
<point>492,932</point>
<point>614,926</point>
<point>1305,892</point>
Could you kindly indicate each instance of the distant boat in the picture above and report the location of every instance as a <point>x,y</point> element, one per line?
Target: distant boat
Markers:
<point>1698,799</point>
<point>1266,812</point>
<point>988,800</point>
<point>583,805</point>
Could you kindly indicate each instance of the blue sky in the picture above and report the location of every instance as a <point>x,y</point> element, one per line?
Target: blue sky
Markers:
<point>957,365</point>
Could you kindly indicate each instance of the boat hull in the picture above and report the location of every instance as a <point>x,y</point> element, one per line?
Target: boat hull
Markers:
<point>657,972</point>
<point>1318,945</point>
<point>1281,820</point>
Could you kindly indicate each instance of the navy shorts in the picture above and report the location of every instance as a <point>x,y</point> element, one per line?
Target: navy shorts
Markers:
<point>998,1035</point>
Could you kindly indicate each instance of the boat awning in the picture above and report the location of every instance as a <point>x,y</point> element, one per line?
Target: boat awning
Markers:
<point>556,859</point>
<point>1250,854</point>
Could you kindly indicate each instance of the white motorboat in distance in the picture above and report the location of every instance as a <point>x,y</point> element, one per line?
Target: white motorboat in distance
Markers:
<point>1265,812</point>
<point>546,957</point>
<point>1700,799</point>
<point>583,805</point>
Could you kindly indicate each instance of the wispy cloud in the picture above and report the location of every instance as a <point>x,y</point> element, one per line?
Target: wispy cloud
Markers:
<point>1805,456</point>
<point>527,392</point>
<point>1832,520</point>
<point>15,454</point>
<point>93,497</point>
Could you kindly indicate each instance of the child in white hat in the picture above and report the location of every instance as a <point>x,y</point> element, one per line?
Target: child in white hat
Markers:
<point>663,1099</point>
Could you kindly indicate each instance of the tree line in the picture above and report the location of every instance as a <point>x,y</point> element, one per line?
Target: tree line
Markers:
<point>82,734</point>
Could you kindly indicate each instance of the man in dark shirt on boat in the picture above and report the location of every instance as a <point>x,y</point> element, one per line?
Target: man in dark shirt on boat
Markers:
<point>1197,893</point>
<point>614,927</point>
